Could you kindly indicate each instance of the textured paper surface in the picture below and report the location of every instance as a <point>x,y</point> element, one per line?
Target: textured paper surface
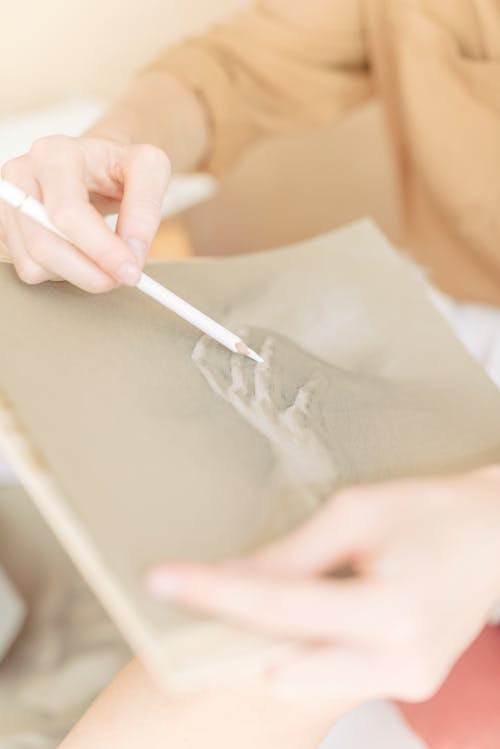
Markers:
<point>153,444</point>
<point>12,613</point>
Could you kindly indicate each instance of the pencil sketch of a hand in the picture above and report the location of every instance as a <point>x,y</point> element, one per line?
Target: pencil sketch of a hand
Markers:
<point>327,426</point>
<point>292,424</point>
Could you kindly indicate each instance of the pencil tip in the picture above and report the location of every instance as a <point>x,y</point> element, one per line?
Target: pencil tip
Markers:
<point>256,357</point>
<point>242,348</point>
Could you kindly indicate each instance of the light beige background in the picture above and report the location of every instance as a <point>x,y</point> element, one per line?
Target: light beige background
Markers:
<point>51,48</point>
<point>281,192</point>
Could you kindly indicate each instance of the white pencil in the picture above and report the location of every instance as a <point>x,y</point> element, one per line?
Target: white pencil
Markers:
<point>30,207</point>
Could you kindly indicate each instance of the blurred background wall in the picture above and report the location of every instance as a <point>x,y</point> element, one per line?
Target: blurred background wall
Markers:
<point>280,192</point>
<point>52,48</point>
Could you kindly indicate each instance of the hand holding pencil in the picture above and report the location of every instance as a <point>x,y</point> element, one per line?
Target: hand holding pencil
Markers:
<point>76,179</point>
<point>56,254</point>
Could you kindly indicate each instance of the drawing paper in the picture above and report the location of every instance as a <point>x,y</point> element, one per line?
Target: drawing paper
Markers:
<point>140,440</point>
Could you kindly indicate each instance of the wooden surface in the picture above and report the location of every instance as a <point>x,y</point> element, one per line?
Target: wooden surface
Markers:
<point>172,242</point>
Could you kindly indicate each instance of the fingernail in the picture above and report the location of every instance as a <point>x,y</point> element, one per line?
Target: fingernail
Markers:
<point>164,584</point>
<point>139,248</point>
<point>128,274</point>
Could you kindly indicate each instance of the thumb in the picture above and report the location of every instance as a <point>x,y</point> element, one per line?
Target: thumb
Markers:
<point>146,172</point>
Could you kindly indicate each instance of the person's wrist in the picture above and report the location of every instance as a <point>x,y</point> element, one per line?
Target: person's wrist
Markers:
<point>159,110</point>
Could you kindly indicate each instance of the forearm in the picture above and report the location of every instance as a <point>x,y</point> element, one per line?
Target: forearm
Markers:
<point>265,71</point>
<point>160,110</point>
<point>134,714</point>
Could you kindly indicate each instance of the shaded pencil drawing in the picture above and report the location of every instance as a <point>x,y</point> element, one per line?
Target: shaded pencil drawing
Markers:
<point>139,442</point>
<point>327,426</point>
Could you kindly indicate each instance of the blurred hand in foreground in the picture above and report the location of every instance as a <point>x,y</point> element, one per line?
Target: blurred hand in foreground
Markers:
<point>426,562</point>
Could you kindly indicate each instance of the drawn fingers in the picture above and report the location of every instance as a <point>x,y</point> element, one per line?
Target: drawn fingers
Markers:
<point>264,383</point>
<point>249,387</point>
<point>213,362</point>
<point>299,414</point>
<point>239,388</point>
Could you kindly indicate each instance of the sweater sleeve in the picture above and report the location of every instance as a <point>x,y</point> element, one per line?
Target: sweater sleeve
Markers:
<point>282,66</point>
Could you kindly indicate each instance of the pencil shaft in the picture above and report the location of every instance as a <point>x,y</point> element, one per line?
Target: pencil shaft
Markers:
<point>189,313</point>
<point>36,211</point>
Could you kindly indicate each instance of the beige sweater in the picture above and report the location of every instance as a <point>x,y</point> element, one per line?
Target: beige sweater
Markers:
<point>292,65</point>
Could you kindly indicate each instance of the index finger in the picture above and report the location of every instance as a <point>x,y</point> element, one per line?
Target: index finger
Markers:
<point>146,172</point>
<point>67,201</point>
<point>305,608</point>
